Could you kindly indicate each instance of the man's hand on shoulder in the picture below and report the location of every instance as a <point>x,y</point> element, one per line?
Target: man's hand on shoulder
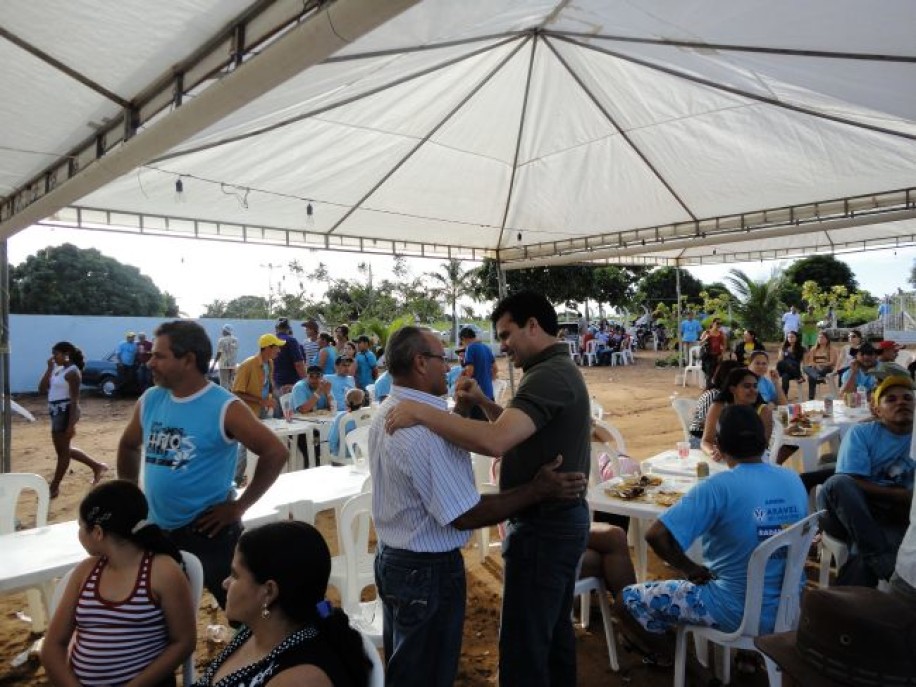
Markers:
<point>551,484</point>
<point>404,414</point>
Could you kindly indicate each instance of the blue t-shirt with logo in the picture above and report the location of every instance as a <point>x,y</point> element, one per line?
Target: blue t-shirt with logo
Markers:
<point>189,460</point>
<point>862,379</point>
<point>340,385</point>
<point>732,512</point>
<point>382,386</point>
<point>767,390</point>
<point>872,451</point>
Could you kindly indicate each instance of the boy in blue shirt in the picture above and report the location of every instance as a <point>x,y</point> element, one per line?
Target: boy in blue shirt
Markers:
<point>366,363</point>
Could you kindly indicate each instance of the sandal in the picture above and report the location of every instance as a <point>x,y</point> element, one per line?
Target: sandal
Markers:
<point>649,658</point>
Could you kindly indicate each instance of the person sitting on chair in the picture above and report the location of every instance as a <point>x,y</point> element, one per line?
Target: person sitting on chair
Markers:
<point>291,634</point>
<point>868,499</point>
<point>731,512</point>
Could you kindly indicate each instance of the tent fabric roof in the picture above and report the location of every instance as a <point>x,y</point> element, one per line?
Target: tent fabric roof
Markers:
<point>534,131</point>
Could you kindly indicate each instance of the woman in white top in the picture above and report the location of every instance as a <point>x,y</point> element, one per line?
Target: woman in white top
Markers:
<point>61,381</point>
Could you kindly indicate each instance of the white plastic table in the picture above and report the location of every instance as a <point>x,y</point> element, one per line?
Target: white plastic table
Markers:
<point>327,486</point>
<point>641,514</point>
<point>831,432</point>
<point>37,556</point>
<point>301,424</point>
<point>667,463</point>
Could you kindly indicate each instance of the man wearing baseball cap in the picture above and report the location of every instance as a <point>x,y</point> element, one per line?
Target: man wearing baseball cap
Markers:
<point>254,377</point>
<point>887,361</point>
<point>868,499</point>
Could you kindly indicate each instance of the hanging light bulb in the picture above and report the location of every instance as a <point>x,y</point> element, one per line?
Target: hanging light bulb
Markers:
<point>179,191</point>
<point>309,215</point>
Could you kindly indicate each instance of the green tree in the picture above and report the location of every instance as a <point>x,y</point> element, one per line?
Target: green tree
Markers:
<point>451,283</point>
<point>825,270</point>
<point>660,285</point>
<point>241,308</point>
<point>758,303</point>
<point>66,280</point>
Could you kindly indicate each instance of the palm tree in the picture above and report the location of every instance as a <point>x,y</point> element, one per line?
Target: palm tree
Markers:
<point>758,303</point>
<point>452,283</point>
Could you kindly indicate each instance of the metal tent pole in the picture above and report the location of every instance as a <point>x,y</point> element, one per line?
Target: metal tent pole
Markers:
<point>5,410</point>
<point>677,320</point>
<point>501,286</point>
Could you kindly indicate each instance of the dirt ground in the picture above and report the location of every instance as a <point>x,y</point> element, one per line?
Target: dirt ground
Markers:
<point>636,399</point>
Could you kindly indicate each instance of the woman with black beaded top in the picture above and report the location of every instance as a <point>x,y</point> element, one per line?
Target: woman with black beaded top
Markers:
<point>290,634</point>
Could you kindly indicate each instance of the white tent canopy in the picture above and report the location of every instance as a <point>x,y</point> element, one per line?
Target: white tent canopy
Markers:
<point>534,132</point>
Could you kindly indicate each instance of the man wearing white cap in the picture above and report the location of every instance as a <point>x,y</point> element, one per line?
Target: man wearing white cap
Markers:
<point>227,350</point>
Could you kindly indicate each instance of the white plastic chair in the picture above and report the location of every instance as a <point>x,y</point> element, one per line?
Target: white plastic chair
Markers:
<point>583,589</point>
<point>694,365</point>
<point>829,548</point>
<point>354,568</point>
<point>370,393</point>
<point>11,487</point>
<point>591,352</point>
<point>797,540</point>
<point>377,671</point>
<point>359,418</point>
<point>629,353</point>
<point>485,485</point>
<point>195,573</point>
<point>615,433</point>
<point>499,388</point>
<point>684,407</point>
<point>617,358</point>
<point>573,351</point>
<point>358,443</point>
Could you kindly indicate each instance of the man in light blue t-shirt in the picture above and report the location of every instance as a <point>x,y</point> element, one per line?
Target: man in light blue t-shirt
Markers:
<point>366,363</point>
<point>691,329</point>
<point>868,499</point>
<point>184,435</point>
<point>731,513</point>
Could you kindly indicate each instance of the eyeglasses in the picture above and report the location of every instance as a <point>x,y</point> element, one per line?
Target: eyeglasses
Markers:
<point>440,356</point>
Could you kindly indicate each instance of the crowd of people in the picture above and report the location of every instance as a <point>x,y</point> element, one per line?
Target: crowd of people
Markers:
<point>186,435</point>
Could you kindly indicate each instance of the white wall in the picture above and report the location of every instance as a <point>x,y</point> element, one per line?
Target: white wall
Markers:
<point>31,338</point>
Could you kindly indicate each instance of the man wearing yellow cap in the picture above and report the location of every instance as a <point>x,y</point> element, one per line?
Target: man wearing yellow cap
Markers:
<point>868,499</point>
<point>254,377</point>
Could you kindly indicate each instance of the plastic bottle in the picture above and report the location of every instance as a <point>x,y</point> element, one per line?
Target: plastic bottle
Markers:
<point>828,406</point>
<point>219,634</point>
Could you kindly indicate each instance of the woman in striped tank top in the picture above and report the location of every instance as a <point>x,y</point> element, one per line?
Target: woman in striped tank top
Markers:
<point>126,616</point>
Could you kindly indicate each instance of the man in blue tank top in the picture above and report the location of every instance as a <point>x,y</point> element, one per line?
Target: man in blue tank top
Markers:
<point>188,430</point>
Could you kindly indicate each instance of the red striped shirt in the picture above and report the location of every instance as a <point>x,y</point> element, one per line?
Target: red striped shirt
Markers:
<point>116,640</point>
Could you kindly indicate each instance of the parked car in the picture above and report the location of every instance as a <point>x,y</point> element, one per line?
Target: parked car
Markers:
<point>102,374</point>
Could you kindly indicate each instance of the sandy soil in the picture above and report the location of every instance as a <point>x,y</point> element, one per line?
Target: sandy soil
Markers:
<point>636,399</point>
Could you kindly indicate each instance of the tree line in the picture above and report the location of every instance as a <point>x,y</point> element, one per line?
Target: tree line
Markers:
<point>70,280</point>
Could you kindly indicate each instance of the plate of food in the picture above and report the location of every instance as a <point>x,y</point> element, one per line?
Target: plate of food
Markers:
<point>634,487</point>
<point>799,431</point>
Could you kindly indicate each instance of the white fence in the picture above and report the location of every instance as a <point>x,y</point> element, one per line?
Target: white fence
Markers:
<point>31,338</point>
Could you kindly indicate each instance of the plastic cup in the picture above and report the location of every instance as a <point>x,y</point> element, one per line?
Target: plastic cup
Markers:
<point>683,450</point>
<point>287,409</point>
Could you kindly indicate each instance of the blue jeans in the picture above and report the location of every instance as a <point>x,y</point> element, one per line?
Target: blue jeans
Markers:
<point>870,530</point>
<point>541,552</point>
<point>215,554</point>
<point>423,596</point>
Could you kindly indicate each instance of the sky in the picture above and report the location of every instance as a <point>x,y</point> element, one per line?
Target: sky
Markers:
<point>198,272</point>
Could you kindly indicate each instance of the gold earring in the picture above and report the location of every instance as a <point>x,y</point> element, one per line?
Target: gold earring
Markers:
<point>265,611</point>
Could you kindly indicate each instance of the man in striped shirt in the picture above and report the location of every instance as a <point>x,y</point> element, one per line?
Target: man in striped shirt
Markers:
<point>424,502</point>
<point>549,415</point>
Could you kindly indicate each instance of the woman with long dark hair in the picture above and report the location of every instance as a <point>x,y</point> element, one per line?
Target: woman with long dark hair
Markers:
<point>126,616</point>
<point>61,381</point>
<point>739,388</point>
<point>789,365</point>
<point>713,384</point>
<point>820,361</point>
<point>290,633</point>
